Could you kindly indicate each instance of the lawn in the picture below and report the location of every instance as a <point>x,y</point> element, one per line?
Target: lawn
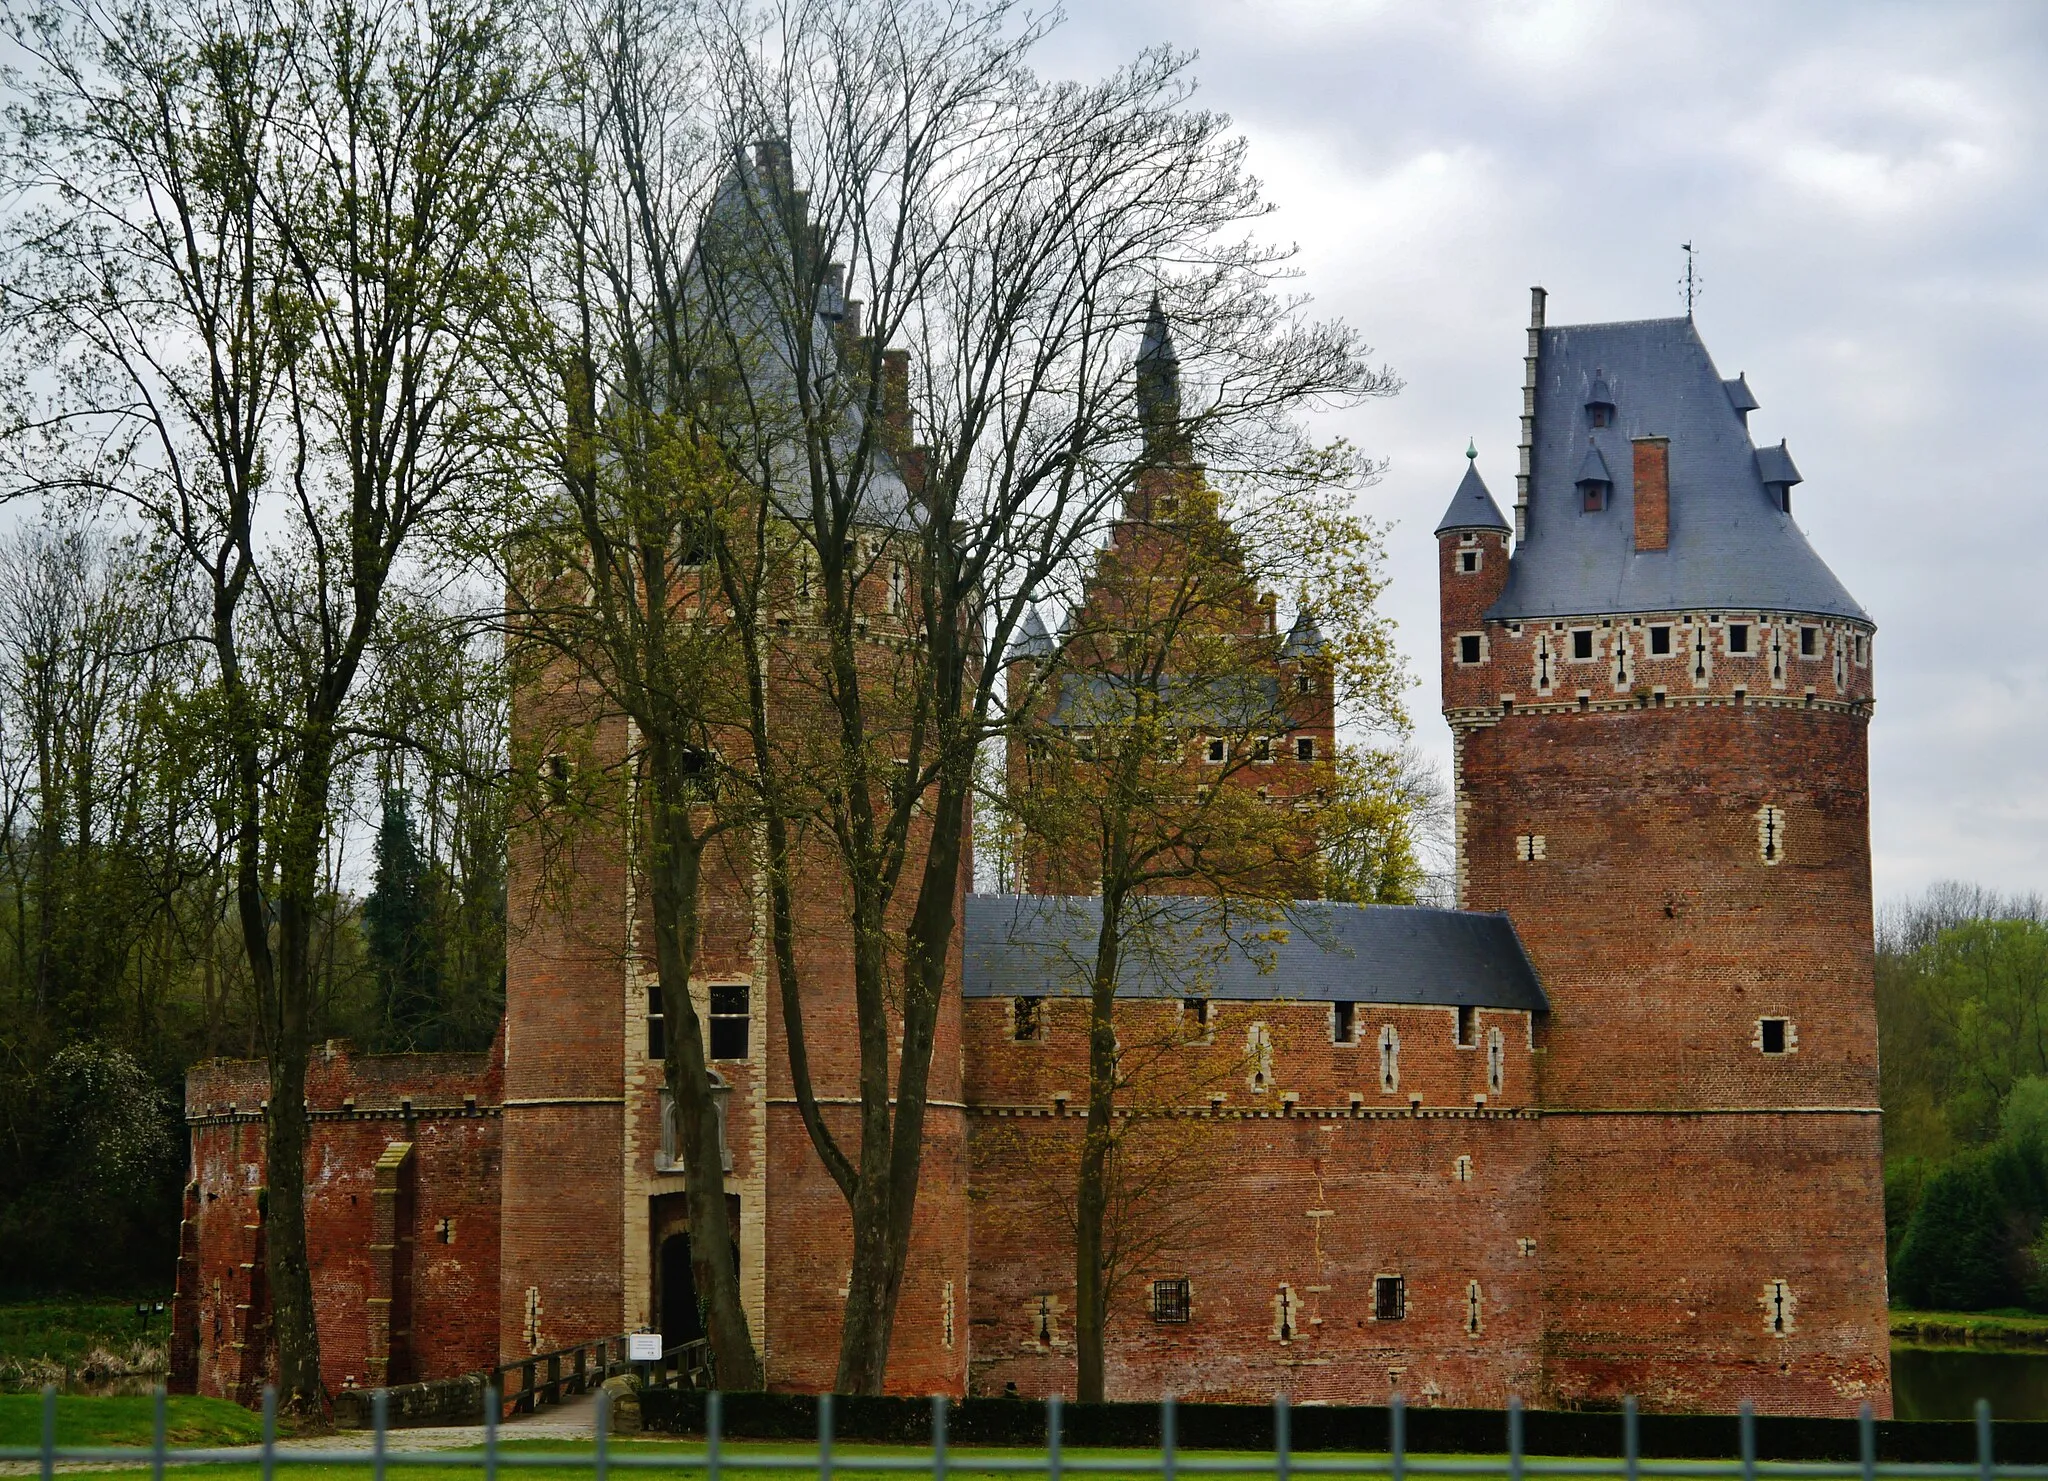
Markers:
<point>127,1421</point>
<point>2009,1330</point>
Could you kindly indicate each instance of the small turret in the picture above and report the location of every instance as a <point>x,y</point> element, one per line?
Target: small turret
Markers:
<point>1472,568</point>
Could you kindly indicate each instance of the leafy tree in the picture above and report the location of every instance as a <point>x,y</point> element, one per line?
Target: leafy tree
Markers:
<point>397,927</point>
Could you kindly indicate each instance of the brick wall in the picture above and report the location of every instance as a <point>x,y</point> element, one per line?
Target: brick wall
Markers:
<point>446,1107</point>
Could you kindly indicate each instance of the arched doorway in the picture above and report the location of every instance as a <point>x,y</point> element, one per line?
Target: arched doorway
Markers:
<point>675,1282</point>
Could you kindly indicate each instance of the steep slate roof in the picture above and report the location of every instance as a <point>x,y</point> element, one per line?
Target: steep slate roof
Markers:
<point>1730,543</point>
<point>1593,469</point>
<point>1472,507</point>
<point>1774,465</point>
<point>1032,640</point>
<point>1043,945</point>
<point>1304,639</point>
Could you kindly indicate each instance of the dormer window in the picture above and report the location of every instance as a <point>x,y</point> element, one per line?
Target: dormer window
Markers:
<point>1600,402</point>
<point>1594,481</point>
<point>1775,468</point>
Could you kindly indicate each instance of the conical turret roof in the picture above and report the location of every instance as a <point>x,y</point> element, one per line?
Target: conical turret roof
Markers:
<point>1472,507</point>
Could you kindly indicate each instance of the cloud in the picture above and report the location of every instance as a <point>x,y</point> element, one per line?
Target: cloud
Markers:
<point>1864,181</point>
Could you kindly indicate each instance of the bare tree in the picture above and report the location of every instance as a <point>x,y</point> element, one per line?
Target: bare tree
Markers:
<point>267,242</point>
<point>1008,233</point>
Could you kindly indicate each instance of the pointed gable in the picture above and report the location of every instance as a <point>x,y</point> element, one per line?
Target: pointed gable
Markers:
<point>1472,507</point>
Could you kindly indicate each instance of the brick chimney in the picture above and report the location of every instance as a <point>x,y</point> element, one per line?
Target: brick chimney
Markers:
<point>1653,492</point>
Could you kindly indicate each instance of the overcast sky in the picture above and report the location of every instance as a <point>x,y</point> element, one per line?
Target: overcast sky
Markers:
<point>1865,185</point>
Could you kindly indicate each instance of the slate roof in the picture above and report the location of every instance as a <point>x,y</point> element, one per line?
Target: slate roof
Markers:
<point>1774,465</point>
<point>1593,468</point>
<point>1032,640</point>
<point>1232,704</point>
<point>1731,545</point>
<point>1304,639</point>
<point>1043,945</point>
<point>1472,507</point>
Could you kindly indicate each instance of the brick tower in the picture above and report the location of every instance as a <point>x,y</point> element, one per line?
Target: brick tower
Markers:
<point>1659,703</point>
<point>594,1225</point>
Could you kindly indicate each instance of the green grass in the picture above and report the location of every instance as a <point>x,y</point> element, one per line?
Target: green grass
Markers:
<point>2006,1330</point>
<point>66,1331</point>
<point>127,1421</point>
<point>846,1464</point>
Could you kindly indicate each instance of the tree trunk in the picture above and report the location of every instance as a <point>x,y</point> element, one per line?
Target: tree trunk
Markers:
<point>676,871</point>
<point>1091,1193</point>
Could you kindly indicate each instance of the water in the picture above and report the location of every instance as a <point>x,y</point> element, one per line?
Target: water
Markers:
<point>1930,1383</point>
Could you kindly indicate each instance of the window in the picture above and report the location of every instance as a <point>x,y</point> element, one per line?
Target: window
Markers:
<point>1389,1298</point>
<point>1027,1020</point>
<point>1468,561</point>
<point>1286,1314</point>
<point>1596,496</point>
<point>1344,1023</point>
<point>1773,1035</point>
<point>1305,683</point>
<point>1809,642</point>
<point>657,1035</point>
<point>1468,1026</point>
<point>1468,648</point>
<point>445,1231</point>
<point>1770,833</point>
<point>1217,752</point>
<point>1861,652</point>
<point>555,774</point>
<point>1195,1016</point>
<point>1529,847</point>
<point>1461,1169</point>
<point>730,1020</point>
<point>1172,1300</point>
<point>1602,414</point>
<point>1777,1304</point>
<point>1304,748</point>
<point>1582,643</point>
<point>1262,748</point>
<point>1738,637</point>
<point>1660,642</point>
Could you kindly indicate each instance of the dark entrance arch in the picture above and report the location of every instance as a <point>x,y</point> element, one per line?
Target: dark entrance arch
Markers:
<point>675,1282</point>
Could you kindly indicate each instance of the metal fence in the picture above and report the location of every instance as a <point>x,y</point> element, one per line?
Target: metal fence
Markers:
<point>1168,1462</point>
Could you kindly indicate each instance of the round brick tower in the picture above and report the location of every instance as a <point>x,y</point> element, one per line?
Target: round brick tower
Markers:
<point>1659,702</point>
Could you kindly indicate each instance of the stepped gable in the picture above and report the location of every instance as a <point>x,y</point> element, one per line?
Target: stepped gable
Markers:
<point>1042,945</point>
<point>1730,543</point>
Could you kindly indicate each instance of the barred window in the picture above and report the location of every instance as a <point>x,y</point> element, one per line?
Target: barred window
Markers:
<point>1389,1298</point>
<point>1171,1300</point>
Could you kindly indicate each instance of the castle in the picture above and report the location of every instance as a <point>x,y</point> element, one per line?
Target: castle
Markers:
<point>1609,1127</point>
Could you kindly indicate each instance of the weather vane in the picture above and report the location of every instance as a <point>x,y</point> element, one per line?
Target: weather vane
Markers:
<point>1692,282</point>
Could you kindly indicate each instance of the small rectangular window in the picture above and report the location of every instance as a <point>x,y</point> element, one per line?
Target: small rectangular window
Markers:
<point>657,1037</point>
<point>1738,637</point>
<point>1218,750</point>
<point>730,1020</point>
<point>1027,1019</point>
<point>1304,748</point>
<point>1596,497</point>
<point>1582,643</point>
<point>1468,561</point>
<point>1344,1023</point>
<point>1660,642</point>
<point>1194,1014</point>
<point>1304,684</point>
<point>1171,1300</point>
<point>1262,748</point>
<point>1468,1026</point>
<point>1771,1035</point>
<point>1468,648</point>
<point>1860,650</point>
<point>1809,642</point>
<point>1389,1298</point>
<point>1084,745</point>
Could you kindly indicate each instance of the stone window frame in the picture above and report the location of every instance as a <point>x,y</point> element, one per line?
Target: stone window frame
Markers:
<point>744,1018</point>
<point>1390,1059</point>
<point>1343,1014</point>
<point>1780,1307</point>
<point>1470,560</point>
<point>1859,649</point>
<point>1172,1300</point>
<point>1475,1317</point>
<point>1531,848</point>
<point>1591,635</point>
<point>667,1153</point>
<point>1305,748</point>
<point>1386,1284</point>
<point>1211,744</point>
<point>1465,1026</point>
<point>1668,631</point>
<point>1789,1028</point>
<point>1204,1008</point>
<point>1038,1033</point>
<point>1770,834</point>
<point>1496,1060</point>
<point>1461,1168</point>
<point>1749,631</point>
<point>1459,649</point>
